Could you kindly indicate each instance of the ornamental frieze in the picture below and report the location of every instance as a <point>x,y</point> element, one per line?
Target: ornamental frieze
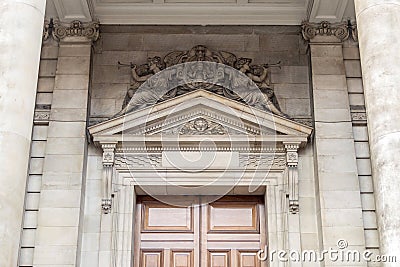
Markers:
<point>262,161</point>
<point>138,161</point>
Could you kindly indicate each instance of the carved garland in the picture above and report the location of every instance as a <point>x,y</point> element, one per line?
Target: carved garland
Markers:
<point>201,126</point>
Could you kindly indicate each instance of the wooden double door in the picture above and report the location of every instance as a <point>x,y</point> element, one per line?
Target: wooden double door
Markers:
<point>224,233</point>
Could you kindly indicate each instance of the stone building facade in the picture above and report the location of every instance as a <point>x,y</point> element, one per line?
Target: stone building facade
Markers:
<point>181,133</point>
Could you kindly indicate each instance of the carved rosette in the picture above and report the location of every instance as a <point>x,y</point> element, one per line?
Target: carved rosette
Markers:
<point>342,31</point>
<point>108,164</point>
<point>292,159</point>
<point>76,28</point>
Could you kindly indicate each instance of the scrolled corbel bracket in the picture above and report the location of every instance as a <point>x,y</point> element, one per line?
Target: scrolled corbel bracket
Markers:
<point>108,164</point>
<point>292,159</point>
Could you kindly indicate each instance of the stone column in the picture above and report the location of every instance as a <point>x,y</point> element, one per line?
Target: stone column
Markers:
<point>339,190</point>
<point>61,204</point>
<point>379,42</point>
<point>21,26</point>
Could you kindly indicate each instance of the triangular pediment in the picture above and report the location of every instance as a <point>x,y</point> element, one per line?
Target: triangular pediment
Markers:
<point>195,114</point>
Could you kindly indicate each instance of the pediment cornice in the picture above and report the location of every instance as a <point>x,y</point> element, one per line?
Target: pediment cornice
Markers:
<point>237,137</point>
<point>176,116</point>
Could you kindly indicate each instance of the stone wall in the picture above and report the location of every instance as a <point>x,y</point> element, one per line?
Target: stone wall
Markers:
<point>264,44</point>
<point>44,97</point>
<point>94,250</point>
<point>51,226</point>
<point>340,203</point>
<point>351,55</point>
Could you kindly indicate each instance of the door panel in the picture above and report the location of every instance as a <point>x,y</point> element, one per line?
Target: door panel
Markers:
<point>152,258</point>
<point>233,217</point>
<point>219,258</point>
<point>226,233</point>
<point>168,229</point>
<point>162,217</point>
<point>248,259</point>
<point>182,259</point>
<point>236,225</point>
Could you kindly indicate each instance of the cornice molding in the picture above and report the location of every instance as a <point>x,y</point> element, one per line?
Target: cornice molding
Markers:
<point>187,12</point>
<point>328,10</point>
<point>60,31</point>
<point>342,31</point>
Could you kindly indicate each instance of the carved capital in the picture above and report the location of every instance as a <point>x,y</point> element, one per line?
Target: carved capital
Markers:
<point>76,28</point>
<point>292,157</point>
<point>108,153</point>
<point>342,31</point>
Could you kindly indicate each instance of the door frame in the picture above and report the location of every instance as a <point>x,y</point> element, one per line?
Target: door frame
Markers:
<point>122,226</point>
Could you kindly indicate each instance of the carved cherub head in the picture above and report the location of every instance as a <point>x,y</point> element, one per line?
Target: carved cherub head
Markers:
<point>199,53</point>
<point>243,64</point>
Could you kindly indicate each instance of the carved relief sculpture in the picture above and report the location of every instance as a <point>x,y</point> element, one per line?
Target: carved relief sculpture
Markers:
<point>141,74</point>
<point>211,77</point>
